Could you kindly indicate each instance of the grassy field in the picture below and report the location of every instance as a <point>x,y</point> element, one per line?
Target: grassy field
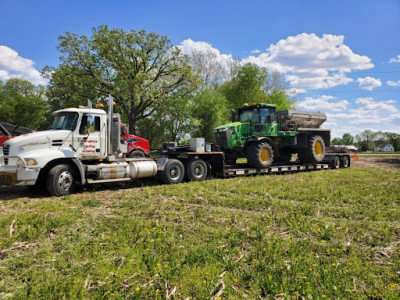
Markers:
<point>320,235</point>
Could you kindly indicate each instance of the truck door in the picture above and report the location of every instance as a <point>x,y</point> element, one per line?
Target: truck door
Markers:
<point>91,137</point>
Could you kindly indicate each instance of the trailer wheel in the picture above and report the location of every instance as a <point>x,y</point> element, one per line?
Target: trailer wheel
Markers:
<point>314,152</point>
<point>61,180</point>
<point>173,172</point>
<point>345,162</point>
<point>136,154</point>
<point>196,170</point>
<point>336,162</point>
<point>260,155</point>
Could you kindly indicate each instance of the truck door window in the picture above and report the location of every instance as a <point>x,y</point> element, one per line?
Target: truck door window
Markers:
<point>89,124</point>
<point>84,125</point>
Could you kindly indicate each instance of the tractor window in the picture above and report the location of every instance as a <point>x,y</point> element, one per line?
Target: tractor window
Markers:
<point>246,115</point>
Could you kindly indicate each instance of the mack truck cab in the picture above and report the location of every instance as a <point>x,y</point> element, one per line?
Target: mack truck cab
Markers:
<point>265,136</point>
<point>82,146</point>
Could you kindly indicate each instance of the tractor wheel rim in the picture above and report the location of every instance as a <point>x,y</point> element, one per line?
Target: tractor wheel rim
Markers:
<point>318,148</point>
<point>65,180</point>
<point>264,155</point>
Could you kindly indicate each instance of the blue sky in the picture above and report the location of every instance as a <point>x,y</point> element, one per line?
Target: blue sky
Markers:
<point>342,57</point>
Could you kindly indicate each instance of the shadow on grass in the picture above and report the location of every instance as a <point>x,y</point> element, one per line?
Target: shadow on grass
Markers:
<point>17,192</point>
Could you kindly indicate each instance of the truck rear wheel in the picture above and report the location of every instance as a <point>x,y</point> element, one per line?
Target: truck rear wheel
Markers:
<point>345,162</point>
<point>260,155</point>
<point>314,152</point>
<point>336,162</point>
<point>173,172</point>
<point>196,170</point>
<point>61,180</point>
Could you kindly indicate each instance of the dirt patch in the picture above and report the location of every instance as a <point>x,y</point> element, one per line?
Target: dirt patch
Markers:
<point>377,162</point>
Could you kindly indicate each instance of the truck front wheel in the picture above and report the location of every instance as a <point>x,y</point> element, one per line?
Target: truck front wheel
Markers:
<point>61,180</point>
<point>260,155</point>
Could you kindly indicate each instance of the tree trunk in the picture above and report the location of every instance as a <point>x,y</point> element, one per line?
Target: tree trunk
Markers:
<point>132,125</point>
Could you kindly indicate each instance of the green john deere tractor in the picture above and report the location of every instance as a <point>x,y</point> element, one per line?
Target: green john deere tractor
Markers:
<point>265,136</point>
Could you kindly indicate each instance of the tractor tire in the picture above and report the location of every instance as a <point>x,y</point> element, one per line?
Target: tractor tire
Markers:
<point>196,170</point>
<point>336,162</point>
<point>174,172</point>
<point>61,180</point>
<point>314,152</point>
<point>260,155</point>
<point>136,154</point>
<point>345,162</point>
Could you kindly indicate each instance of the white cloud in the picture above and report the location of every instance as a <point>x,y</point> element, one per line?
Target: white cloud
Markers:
<point>189,46</point>
<point>295,92</point>
<point>393,83</point>
<point>312,62</point>
<point>368,114</point>
<point>14,66</point>
<point>369,83</point>
<point>395,59</point>
<point>323,104</point>
<point>256,51</point>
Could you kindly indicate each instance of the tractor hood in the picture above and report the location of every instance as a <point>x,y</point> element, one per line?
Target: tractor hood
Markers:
<point>230,125</point>
<point>26,143</point>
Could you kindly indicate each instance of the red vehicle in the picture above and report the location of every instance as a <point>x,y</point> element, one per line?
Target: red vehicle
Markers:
<point>137,147</point>
<point>4,135</point>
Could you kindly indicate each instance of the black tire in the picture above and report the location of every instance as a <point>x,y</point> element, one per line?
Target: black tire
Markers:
<point>196,170</point>
<point>137,154</point>
<point>314,152</point>
<point>61,180</point>
<point>260,155</point>
<point>336,163</point>
<point>173,172</point>
<point>345,163</point>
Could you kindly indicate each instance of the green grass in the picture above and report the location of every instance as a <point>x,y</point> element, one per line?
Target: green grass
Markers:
<point>324,234</point>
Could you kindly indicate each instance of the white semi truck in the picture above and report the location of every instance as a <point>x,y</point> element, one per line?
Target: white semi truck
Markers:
<point>84,147</point>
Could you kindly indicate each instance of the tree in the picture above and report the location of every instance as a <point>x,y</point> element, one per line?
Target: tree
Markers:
<point>210,109</point>
<point>365,140</point>
<point>337,141</point>
<point>394,140</point>
<point>140,70</point>
<point>20,104</point>
<point>347,139</point>
<point>249,86</point>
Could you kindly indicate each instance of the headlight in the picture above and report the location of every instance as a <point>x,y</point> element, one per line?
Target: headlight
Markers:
<point>30,162</point>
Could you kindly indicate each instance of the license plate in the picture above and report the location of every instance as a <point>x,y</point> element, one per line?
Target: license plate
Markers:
<point>7,179</point>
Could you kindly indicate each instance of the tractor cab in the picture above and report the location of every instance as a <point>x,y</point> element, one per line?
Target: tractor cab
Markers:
<point>261,116</point>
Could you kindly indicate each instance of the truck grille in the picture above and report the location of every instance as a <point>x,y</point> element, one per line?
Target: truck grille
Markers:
<point>6,152</point>
<point>222,138</point>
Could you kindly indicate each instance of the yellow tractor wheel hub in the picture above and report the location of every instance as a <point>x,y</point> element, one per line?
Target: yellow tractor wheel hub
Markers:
<point>318,148</point>
<point>264,155</point>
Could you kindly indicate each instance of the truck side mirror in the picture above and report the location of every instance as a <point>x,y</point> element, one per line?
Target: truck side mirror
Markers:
<point>232,115</point>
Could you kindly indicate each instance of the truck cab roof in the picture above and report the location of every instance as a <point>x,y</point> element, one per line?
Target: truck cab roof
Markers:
<point>82,110</point>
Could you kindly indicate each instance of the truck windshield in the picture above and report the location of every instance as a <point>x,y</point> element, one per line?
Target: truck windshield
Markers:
<point>65,121</point>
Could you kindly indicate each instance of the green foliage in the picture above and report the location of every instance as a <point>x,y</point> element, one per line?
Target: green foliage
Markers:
<point>210,108</point>
<point>21,104</point>
<point>325,234</point>
<point>140,70</point>
<point>248,86</point>
<point>347,139</point>
<point>172,123</point>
